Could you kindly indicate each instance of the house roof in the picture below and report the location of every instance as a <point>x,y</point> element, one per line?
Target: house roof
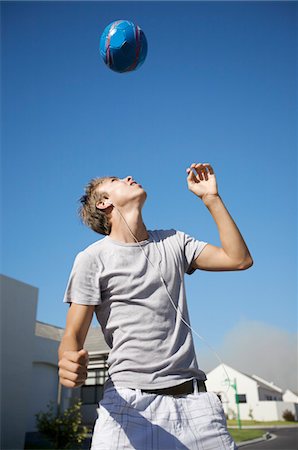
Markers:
<point>48,331</point>
<point>94,342</point>
<point>290,391</point>
<point>266,385</point>
<point>260,381</point>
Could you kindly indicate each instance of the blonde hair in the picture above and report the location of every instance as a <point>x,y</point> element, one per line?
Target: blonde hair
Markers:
<point>91,216</point>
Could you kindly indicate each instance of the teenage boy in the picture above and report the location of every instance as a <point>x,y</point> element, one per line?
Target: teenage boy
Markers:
<point>133,279</point>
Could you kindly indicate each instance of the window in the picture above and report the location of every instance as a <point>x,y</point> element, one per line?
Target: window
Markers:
<point>96,376</point>
<point>240,398</point>
<point>92,390</point>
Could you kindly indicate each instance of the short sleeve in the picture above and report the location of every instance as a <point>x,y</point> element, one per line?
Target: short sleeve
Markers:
<point>191,248</point>
<point>84,281</point>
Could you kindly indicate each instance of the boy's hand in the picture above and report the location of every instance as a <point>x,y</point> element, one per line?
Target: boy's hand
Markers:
<point>73,368</point>
<point>201,180</point>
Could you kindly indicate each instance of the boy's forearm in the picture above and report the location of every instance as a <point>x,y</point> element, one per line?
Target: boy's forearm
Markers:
<point>69,343</point>
<point>231,240</point>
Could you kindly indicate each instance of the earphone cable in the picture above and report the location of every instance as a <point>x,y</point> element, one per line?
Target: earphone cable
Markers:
<point>177,309</point>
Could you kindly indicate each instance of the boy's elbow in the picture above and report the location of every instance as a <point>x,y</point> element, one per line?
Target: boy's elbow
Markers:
<point>246,264</point>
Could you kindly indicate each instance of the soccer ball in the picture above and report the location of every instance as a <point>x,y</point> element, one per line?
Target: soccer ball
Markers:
<point>123,46</point>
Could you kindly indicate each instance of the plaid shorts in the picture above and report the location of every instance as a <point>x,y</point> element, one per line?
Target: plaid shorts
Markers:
<point>131,419</point>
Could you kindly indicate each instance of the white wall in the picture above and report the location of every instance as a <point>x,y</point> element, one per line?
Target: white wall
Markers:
<point>216,382</point>
<point>44,387</point>
<point>271,410</point>
<point>18,312</point>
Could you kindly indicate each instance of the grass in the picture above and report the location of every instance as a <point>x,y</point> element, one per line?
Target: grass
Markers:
<point>245,435</point>
<point>261,424</point>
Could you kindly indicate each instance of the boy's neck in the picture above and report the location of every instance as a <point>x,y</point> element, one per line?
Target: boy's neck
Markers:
<point>121,233</point>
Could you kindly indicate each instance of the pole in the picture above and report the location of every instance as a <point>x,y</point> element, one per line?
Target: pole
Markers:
<point>237,403</point>
<point>59,398</point>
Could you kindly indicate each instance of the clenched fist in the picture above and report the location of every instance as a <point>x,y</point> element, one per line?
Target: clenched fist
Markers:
<point>73,368</point>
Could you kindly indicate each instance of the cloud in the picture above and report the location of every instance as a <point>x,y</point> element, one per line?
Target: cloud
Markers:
<point>258,348</point>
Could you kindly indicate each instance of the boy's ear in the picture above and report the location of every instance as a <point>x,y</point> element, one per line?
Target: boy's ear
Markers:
<point>104,205</point>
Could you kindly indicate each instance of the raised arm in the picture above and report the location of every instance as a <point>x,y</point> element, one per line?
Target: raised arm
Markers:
<point>233,253</point>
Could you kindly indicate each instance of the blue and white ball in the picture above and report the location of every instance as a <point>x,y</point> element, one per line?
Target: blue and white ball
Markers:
<point>123,46</point>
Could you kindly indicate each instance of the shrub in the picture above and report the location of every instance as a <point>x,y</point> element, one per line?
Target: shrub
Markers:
<point>251,414</point>
<point>65,429</point>
<point>288,415</point>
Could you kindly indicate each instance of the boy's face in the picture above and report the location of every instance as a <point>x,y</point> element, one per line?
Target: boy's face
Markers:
<point>123,191</point>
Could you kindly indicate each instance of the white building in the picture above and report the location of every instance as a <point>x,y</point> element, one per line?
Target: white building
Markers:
<point>258,399</point>
<point>29,365</point>
<point>290,396</point>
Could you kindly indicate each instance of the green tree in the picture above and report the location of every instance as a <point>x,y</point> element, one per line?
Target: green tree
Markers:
<point>64,430</point>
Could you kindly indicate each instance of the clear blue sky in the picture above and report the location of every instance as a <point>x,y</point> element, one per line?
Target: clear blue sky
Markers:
<point>218,86</point>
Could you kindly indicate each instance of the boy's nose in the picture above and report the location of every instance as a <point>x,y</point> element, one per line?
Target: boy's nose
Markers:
<point>128,178</point>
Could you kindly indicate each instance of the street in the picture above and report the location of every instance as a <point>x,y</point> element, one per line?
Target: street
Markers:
<point>287,439</point>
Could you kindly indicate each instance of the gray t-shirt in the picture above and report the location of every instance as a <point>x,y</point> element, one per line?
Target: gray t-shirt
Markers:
<point>151,347</point>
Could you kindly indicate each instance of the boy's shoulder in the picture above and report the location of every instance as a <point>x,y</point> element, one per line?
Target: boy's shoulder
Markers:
<point>163,234</point>
<point>94,248</point>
